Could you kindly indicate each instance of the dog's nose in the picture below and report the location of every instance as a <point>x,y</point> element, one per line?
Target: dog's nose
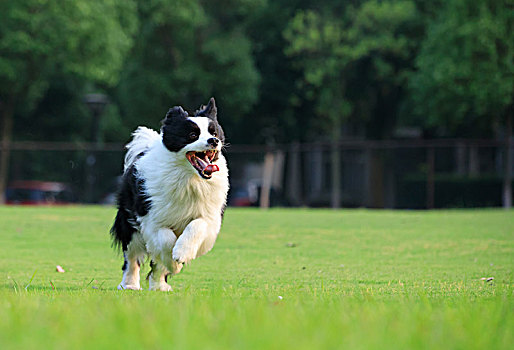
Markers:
<point>213,141</point>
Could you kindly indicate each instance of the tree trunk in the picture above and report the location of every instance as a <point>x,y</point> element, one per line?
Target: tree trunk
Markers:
<point>294,169</point>
<point>267,178</point>
<point>430,186</point>
<point>6,112</point>
<point>474,161</point>
<point>507,176</point>
<point>335,200</point>
<point>335,176</point>
<point>375,179</point>
<point>460,158</point>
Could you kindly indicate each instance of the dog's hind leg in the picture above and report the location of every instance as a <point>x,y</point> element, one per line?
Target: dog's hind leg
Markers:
<point>131,266</point>
<point>159,246</point>
<point>157,277</point>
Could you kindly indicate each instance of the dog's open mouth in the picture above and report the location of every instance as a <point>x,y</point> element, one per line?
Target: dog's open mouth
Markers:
<point>202,162</point>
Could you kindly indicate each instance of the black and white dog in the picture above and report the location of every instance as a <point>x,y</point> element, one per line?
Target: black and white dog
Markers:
<point>174,191</point>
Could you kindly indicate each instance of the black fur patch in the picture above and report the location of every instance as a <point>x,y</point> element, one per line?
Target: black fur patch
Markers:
<point>210,111</point>
<point>132,203</point>
<point>178,131</point>
<point>152,267</point>
<point>216,131</point>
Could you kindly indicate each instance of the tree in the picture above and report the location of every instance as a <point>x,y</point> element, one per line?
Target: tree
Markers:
<point>187,51</point>
<point>465,73</point>
<point>354,61</point>
<point>464,80</point>
<point>279,116</point>
<point>38,38</point>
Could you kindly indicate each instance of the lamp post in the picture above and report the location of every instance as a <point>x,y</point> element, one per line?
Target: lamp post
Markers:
<point>96,104</point>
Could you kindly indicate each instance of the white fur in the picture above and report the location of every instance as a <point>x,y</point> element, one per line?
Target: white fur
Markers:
<point>142,138</point>
<point>133,256</point>
<point>185,215</point>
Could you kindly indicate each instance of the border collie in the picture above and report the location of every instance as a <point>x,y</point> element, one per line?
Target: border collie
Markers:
<point>173,195</point>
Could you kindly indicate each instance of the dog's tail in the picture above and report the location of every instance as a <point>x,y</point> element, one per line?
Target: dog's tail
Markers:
<point>142,139</point>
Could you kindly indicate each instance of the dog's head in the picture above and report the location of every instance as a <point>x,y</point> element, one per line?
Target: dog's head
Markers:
<point>199,138</point>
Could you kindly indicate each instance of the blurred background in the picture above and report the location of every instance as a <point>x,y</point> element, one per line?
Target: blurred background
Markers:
<point>325,103</point>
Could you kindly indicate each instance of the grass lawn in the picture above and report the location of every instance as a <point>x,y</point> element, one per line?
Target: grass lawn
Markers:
<point>277,279</point>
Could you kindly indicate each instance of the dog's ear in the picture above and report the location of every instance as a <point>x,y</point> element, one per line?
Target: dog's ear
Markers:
<point>210,111</point>
<point>175,112</point>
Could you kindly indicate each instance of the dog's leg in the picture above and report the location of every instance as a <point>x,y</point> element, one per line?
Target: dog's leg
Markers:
<point>157,278</point>
<point>131,267</point>
<point>159,246</point>
<point>197,239</point>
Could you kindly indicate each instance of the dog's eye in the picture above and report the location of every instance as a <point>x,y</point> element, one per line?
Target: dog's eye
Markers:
<point>212,130</point>
<point>193,135</point>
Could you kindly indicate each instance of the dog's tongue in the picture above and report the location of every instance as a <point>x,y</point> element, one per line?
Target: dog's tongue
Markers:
<point>209,169</point>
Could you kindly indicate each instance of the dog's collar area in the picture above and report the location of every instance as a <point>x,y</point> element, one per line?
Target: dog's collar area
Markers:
<point>202,162</point>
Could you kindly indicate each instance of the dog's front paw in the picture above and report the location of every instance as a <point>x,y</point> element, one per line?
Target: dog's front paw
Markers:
<point>183,254</point>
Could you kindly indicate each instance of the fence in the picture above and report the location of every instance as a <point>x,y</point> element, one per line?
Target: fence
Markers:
<point>412,174</point>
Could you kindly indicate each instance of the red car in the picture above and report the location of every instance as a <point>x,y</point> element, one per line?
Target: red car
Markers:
<point>38,193</point>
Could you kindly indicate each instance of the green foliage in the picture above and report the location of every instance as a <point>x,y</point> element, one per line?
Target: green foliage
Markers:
<point>280,115</point>
<point>465,68</point>
<point>42,39</point>
<point>60,114</point>
<point>272,65</point>
<point>38,38</point>
<point>330,44</point>
<point>353,59</point>
<point>185,54</point>
<point>353,279</point>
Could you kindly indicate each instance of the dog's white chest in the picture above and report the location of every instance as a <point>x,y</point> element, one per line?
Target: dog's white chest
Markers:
<point>178,195</point>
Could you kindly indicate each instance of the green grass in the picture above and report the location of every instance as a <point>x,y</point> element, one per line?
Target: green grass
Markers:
<point>277,279</point>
